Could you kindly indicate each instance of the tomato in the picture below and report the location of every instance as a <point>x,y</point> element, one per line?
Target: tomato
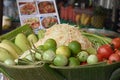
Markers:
<point>109,62</point>
<point>114,58</point>
<point>83,63</point>
<point>105,51</point>
<point>117,52</point>
<point>100,58</point>
<point>116,42</point>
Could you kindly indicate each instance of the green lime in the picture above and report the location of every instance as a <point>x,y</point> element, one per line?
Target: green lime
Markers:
<point>91,50</point>
<point>73,62</point>
<point>41,33</point>
<point>9,62</point>
<point>50,43</point>
<point>48,55</point>
<point>38,56</point>
<point>82,56</point>
<point>53,49</point>
<point>64,50</point>
<point>92,59</point>
<point>60,60</point>
<point>41,48</point>
<point>75,47</point>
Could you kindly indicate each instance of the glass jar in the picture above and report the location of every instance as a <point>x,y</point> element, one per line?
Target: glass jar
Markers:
<point>10,9</point>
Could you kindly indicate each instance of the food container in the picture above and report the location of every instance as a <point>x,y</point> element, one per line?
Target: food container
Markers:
<point>104,32</point>
<point>44,71</point>
<point>101,71</point>
<point>37,71</point>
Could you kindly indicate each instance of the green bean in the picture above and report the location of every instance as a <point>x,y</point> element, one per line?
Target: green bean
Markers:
<point>97,40</point>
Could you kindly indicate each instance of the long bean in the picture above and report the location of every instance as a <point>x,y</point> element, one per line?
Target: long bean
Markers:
<point>97,40</point>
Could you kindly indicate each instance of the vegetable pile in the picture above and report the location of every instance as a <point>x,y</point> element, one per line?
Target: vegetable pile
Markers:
<point>24,51</point>
<point>110,51</point>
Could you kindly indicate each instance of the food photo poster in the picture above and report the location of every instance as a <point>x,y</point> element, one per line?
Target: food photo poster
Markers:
<point>39,14</point>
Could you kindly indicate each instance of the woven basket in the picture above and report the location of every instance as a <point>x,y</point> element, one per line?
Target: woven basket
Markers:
<point>90,72</point>
<point>30,72</point>
<point>38,71</point>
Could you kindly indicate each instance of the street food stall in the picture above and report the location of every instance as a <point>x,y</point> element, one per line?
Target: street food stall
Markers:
<point>60,40</point>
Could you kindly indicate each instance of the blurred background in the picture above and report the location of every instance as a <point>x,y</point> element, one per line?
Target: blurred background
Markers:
<point>92,13</point>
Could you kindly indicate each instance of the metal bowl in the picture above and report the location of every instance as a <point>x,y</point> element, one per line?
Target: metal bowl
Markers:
<point>104,32</point>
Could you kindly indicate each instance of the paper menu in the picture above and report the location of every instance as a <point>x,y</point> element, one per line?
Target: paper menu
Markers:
<point>39,14</point>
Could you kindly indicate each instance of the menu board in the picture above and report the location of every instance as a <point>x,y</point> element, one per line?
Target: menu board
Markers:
<point>39,14</point>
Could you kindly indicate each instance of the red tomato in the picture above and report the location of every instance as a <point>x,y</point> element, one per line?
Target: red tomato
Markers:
<point>116,42</point>
<point>109,62</point>
<point>114,58</point>
<point>117,52</point>
<point>83,63</point>
<point>105,51</point>
<point>100,58</point>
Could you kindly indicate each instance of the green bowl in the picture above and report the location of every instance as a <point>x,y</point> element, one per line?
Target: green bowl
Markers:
<point>100,71</point>
<point>44,71</point>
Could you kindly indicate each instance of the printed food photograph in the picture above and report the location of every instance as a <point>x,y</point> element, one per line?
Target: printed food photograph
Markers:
<point>49,21</point>
<point>33,22</point>
<point>46,7</point>
<point>27,8</point>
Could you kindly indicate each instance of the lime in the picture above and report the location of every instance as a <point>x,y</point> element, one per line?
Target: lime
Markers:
<point>41,48</point>
<point>53,49</point>
<point>9,62</point>
<point>73,61</point>
<point>50,43</point>
<point>91,50</point>
<point>60,60</point>
<point>64,50</point>
<point>48,55</point>
<point>38,56</point>
<point>75,47</point>
<point>92,59</point>
<point>82,56</point>
<point>41,33</point>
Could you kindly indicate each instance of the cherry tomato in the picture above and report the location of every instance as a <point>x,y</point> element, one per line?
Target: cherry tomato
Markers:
<point>114,58</point>
<point>105,51</point>
<point>116,42</point>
